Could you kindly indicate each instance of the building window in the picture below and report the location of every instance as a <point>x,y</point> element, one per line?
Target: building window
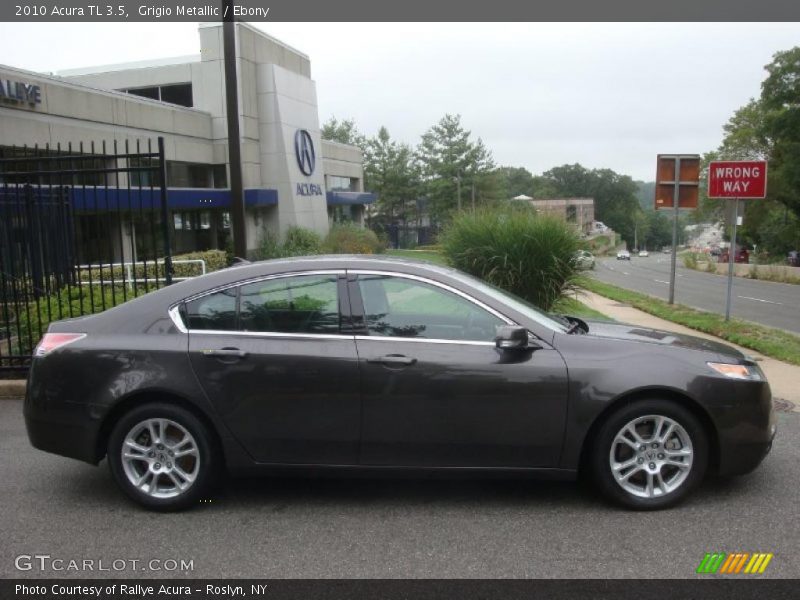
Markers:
<point>174,93</point>
<point>180,93</point>
<point>342,184</point>
<point>146,92</point>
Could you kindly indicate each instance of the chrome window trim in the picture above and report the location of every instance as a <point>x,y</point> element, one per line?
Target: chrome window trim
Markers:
<point>260,278</point>
<point>274,334</point>
<point>373,338</point>
<point>175,315</point>
<point>174,310</point>
<point>439,284</point>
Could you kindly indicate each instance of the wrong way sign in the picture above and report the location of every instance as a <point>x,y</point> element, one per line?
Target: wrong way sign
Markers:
<point>743,179</point>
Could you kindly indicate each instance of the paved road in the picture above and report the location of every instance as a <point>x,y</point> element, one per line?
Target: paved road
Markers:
<point>773,304</point>
<point>394,528</point>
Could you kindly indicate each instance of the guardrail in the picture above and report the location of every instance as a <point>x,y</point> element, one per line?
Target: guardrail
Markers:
<point>130,279</point>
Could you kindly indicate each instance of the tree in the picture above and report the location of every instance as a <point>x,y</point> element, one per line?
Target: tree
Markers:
<point>615,195</point>
<point>344,132</point>
<point>780,99</point>
<point>391,172</point>
<point>767,128</point>
<point>449,158</point>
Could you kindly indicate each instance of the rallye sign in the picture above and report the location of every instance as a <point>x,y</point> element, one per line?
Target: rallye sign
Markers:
<point>737,179</point>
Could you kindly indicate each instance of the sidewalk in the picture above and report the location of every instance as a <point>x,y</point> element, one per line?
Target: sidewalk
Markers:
<point>784,379</point>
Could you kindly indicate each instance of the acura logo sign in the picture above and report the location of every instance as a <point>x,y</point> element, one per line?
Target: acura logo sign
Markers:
<point>304,151</point>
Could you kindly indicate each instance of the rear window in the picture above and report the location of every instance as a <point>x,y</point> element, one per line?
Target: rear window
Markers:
<point>215,311</point>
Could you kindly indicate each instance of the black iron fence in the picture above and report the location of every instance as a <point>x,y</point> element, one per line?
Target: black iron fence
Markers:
<point>82,228</point>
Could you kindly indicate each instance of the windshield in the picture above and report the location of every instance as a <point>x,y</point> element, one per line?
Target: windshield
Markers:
<point>519,304</point>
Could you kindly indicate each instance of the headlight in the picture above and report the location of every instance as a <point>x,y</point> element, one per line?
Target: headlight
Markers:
<point>746,372</point>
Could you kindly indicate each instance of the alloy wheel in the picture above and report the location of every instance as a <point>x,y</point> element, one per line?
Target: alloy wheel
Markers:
<point>160,458</point>
<point>651,456</point>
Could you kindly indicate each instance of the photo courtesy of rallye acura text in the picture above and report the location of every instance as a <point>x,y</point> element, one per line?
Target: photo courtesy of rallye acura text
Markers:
<point>369,365</point>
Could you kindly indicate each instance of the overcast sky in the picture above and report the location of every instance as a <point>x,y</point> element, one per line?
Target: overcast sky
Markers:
<point>540,95</point>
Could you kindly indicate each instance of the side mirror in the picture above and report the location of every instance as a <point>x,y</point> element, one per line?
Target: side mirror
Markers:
<point>511,337</point>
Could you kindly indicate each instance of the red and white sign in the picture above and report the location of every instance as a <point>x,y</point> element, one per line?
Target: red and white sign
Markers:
<point>744,179</point>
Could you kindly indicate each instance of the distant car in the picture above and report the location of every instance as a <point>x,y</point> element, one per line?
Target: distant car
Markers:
<point>643,253</point>
<point>793,258</point>
<point>584,260</point>
<point>715,251</point>
<point>742,256</point>
<point>666,250</point>
<point>623,255</point>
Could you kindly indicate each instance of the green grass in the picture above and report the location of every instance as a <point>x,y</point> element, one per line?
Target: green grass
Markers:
<point>428,255</point>
<point>766,340</point>
<point>575,308</point>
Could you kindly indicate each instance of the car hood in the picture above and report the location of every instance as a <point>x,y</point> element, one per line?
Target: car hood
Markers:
<point>633,333</point>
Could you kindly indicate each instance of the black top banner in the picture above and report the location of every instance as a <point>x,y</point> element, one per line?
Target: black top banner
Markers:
<point>407,10</point>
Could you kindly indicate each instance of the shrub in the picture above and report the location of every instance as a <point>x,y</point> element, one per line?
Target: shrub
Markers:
<point>352,239</point>
<point>690,260</point>
<point>301,242</point>
<point>526,254</point>
<point>215,260</point>
<point>298,241</point>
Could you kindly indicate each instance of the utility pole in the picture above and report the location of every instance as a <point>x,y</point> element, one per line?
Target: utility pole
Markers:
<point>234,148</point>
<point>457,179</point>
<point>473,195</point>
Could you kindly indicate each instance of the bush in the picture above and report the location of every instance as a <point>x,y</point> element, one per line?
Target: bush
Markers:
<point>301,242</point>
<point>526,254</point>
<point>215,260</point>
<point>352,239</point>
<point>298,241</point>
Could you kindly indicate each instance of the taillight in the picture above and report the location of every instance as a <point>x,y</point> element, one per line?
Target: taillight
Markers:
<point>54,341</point>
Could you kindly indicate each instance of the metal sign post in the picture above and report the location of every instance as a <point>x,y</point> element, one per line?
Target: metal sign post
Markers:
<point>675,203</point>
<point>677,182</point>
<point>732,258</point>
<point>736,180</point>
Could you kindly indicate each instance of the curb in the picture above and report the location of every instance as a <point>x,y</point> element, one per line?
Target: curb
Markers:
<point>12,389</point>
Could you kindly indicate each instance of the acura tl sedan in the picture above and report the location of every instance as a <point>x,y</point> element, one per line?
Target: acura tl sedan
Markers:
<point>359,364</point>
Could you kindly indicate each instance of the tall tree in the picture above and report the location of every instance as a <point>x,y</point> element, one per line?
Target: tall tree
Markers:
<point>344,132</point>
<point>391,172</point>
<point>449,157</point>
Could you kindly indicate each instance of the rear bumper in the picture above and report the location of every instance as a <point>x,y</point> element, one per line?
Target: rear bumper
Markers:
<point>61,427</point>
<point>72,441</point>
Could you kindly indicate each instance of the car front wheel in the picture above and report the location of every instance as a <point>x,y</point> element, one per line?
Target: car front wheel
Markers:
<point>161,456</point>
<point>650,454</point>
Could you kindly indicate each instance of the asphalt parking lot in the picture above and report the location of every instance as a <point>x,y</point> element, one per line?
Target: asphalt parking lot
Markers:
<point>313,528</point>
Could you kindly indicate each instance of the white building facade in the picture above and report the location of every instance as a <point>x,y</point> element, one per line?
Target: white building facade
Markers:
<point>290,175</point>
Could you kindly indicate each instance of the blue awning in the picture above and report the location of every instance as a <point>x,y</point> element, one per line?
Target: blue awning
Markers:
<point>91,199</point>
<point>346,198</point>
<point>100,199</point>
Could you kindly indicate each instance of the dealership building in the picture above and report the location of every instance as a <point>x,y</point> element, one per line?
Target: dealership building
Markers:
<point>290,175</point>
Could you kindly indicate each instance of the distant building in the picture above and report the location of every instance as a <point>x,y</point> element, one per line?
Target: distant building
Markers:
<point>579,211</point>
<point>291,176</point>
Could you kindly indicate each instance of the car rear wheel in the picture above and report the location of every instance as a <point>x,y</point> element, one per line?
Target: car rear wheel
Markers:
<point>650,454</point>
<point>161,456</point>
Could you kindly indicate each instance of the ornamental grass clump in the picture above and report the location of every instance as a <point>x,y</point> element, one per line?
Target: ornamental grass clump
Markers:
<point>527,254</point>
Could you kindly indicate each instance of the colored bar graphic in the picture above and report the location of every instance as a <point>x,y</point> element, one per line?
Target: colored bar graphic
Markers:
<point>732,564</point>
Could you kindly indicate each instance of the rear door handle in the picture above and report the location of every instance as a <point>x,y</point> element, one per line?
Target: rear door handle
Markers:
<point>226,352</point>
<point>393,359</point>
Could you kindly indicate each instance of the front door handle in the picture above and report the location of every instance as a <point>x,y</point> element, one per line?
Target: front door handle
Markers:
<point>226,353</point>
<point>393,360</point>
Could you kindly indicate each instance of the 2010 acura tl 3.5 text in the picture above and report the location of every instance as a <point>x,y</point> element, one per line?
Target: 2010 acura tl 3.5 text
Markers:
<point>369,364</point>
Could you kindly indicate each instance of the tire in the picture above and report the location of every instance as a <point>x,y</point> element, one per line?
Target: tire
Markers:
<point>658,476</point>
<point>173,475</point>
